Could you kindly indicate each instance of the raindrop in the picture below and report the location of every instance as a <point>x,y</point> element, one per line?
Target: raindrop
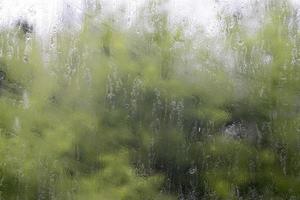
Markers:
<point>17,125</point>
<point>193,170</point>
<point>26,103</point>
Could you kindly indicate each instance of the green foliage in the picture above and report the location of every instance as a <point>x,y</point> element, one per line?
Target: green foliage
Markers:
<point>111,113</point>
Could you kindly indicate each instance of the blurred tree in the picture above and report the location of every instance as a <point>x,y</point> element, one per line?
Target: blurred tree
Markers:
<point>154,113</point>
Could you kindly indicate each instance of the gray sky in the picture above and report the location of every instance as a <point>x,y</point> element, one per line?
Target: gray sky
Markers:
<point>46,14</point>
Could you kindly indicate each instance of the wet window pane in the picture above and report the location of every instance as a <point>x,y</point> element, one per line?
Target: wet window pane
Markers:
<point>149,100</point>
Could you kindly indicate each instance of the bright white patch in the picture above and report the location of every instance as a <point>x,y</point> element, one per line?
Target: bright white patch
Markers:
<point>47,15</point>
<point>43,14</point>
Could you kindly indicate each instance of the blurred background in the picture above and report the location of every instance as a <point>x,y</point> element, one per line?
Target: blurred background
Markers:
<point>149,100</point>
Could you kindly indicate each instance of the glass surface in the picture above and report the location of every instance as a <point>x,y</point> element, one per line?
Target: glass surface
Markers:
<point>149,100</point>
